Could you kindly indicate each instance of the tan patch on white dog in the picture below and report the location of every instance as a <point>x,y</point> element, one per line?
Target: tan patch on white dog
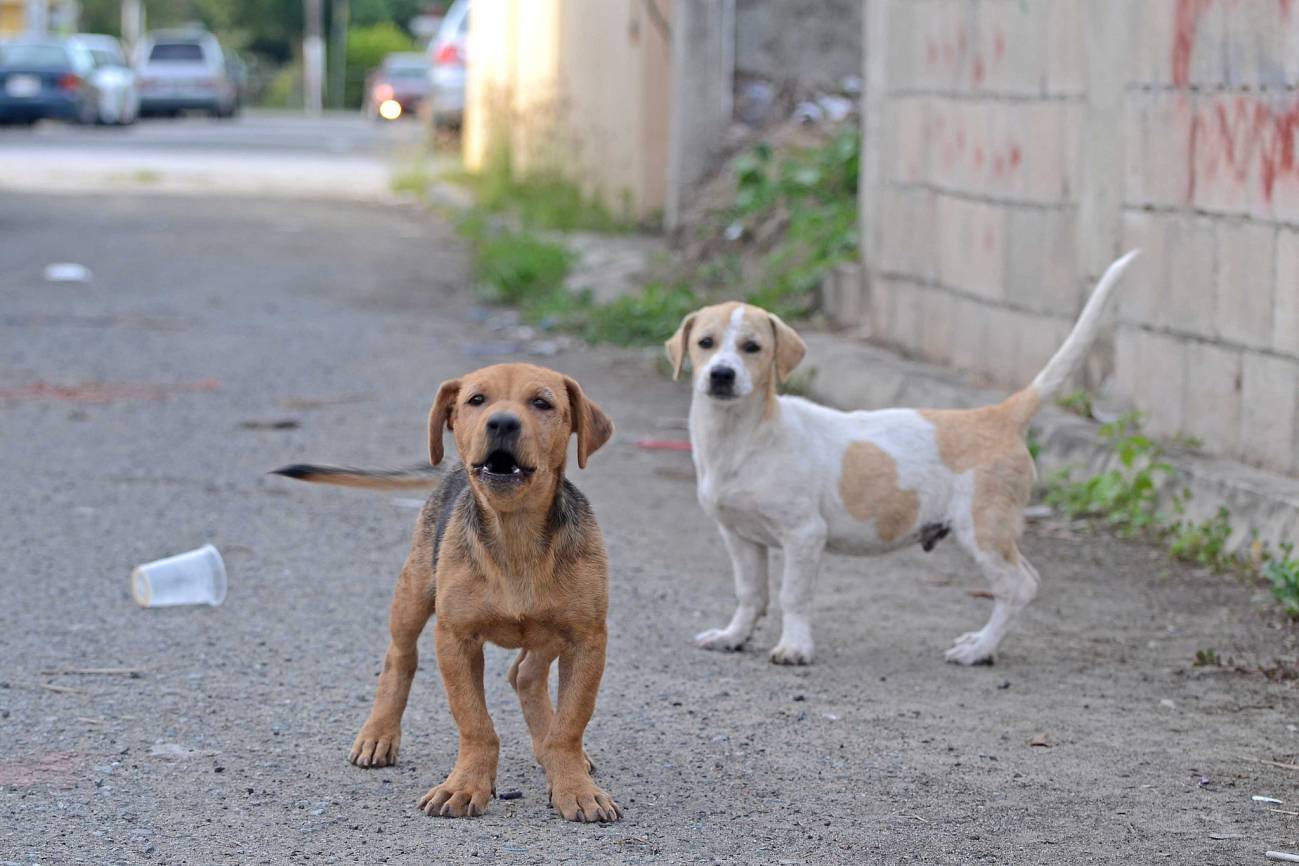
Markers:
<point>869,489</point>
<point>990,441</point>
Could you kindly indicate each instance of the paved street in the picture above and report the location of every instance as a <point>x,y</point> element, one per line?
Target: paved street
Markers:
<point>221,337</point>
<point>334,156</point>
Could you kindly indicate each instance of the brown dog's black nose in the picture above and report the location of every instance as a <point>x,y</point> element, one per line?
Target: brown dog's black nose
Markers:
<point>503,424</point>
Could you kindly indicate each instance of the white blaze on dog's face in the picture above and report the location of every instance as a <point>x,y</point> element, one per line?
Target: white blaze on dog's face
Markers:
<point>735,350</point>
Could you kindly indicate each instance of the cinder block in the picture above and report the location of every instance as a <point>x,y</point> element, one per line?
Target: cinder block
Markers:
<point>907,304</point>
<point>1066,60</point>
<point>1040,261</point>
<point>971,246</point>
<point>937,325</point>
<point>1224,168</point>
<point>1140,298</point>
<point>1285,299</point>
<point>1289,49</point>
<point>1283,204</point>
<point>1213,385</point>
<point>1150,371</point>
<point>1009,55</point>
<point>1189,299</point>
<point>879,317</point>
<point>910,131</point>
<point>1156,165</point>
<point>906,228</point>
<point>1268,407</point>
<point>968,336</point>
<point>1042,134</point>
<point>1204,31</point>
<point>1155,20</point>
<point>1246,263</point>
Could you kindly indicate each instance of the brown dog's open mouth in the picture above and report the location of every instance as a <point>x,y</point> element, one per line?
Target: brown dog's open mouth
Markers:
<point>502,466</point>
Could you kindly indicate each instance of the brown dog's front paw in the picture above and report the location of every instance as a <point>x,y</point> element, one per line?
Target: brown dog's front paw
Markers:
<point>375,746</point>
<point>583,800</point>
<point>457,797</point>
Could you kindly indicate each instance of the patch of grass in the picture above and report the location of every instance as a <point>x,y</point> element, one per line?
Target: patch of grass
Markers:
<point>1207,658</point>
<point>413,179</point>
<point>816,188</point>
<point>640,319</point>
<point>1283,574</point>
<point>1204,543</point>
<point>1125,498</point>
<point>544,201</point>
<point>1078,402</point>
<point>520,268</point>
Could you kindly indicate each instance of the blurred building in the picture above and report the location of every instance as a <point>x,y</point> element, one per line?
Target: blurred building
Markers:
<point>37,16</point>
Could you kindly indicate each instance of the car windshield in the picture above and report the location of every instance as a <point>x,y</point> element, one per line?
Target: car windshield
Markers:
<point>105,57</point>
<point>176,52</point>
<point>406,72</point>
<point>33,54</point>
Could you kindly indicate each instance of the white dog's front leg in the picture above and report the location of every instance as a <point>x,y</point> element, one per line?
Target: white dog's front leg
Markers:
<point>749,561</point>
<point>802,563</point>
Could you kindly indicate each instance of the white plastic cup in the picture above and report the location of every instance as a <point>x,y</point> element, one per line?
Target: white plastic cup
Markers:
<point>196,577</point>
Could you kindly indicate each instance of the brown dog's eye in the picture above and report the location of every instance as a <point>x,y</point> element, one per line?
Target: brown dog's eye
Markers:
<point>751,347</point>
<point>476,400</point>
<point>542,403</point>
<point>706,343</point>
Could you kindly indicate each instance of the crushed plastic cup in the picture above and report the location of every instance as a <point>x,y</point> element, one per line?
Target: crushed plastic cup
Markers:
<point>196,577</point>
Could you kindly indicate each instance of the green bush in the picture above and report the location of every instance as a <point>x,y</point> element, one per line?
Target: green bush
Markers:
<point>366,48</point>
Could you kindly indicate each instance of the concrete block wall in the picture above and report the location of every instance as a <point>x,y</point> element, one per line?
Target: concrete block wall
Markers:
<point>1012,148</point>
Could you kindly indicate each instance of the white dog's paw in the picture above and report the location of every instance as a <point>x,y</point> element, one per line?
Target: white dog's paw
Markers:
<point>971,649</point>
<point>789,652</point>
<point>720,639</point>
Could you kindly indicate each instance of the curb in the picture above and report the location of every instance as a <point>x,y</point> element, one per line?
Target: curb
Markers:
<point>1258,501</point>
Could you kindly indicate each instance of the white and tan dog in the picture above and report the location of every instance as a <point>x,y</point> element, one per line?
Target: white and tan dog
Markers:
<point>778,471</point>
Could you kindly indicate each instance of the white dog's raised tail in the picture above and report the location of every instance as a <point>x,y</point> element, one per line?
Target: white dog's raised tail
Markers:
<point>1074,349</point>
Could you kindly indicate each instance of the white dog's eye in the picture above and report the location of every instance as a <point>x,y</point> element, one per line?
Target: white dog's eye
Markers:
<point>706,343</point>
<point>752,347</point>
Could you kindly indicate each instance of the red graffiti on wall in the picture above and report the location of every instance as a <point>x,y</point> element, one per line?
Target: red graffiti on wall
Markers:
<point>1232,139</point>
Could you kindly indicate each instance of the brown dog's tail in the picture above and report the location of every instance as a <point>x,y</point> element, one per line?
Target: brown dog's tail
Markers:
<point>417,477</point>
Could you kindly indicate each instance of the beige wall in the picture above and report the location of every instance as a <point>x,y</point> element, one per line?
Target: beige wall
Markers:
<point>575,86</point>
<point>1013,147</point>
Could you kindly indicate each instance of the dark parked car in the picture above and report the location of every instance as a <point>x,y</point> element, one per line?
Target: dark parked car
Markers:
<point>42,78</point>
<point>397,87</point>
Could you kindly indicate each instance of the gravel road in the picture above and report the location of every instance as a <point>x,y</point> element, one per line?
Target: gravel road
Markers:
<point>222,337</point>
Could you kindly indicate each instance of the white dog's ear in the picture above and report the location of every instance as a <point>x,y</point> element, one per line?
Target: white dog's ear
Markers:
<point>790,347</point>
<point>676,347</point>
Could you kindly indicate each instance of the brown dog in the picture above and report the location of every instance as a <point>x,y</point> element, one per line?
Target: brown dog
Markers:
<point>507,551</point>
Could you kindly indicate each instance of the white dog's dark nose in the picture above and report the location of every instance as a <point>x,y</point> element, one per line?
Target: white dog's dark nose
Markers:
<point>721,376</point>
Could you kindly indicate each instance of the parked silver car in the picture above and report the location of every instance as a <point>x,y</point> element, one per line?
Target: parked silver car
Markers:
<point>447,61</point>
<point>117,94</point>
<point>184,70</point>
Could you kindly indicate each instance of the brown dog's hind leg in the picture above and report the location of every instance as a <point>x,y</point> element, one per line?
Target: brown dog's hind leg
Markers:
<point>412,604</point>
<point>573,792</point>
<point>530,677</point>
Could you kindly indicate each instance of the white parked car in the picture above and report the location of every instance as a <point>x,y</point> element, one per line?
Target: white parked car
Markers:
<point>117,96</point>
<point>184,70</point>
<point>447,61</point>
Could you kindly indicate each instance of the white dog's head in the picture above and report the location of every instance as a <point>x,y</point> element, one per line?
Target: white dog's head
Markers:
<point>736,350</point>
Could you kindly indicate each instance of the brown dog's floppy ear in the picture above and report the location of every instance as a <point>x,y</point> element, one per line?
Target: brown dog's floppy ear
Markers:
<point>441,417</point>
<point>790,347</point>
<point>676,346</point>
<point>592,426</point>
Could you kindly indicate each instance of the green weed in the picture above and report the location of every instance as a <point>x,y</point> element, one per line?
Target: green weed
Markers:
<point>544,201</point>
<point>1283,574</point>
<point>1127,497</point>
<point>1204,543</point>
<point>1078,402</point>
<point>520,268</point>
